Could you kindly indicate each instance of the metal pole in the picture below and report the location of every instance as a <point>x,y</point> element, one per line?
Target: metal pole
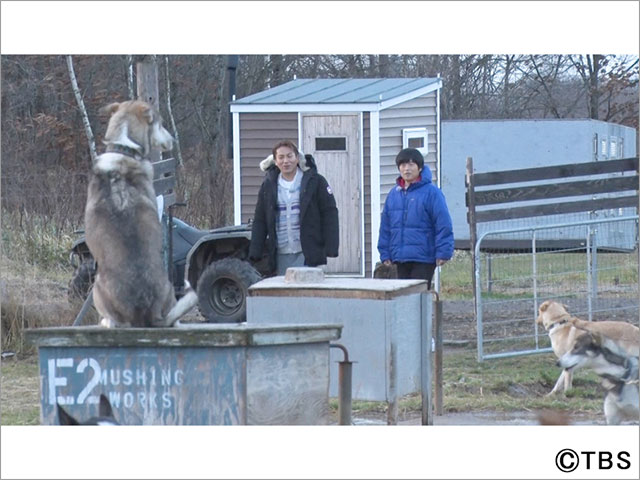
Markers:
<point>88,302</point>
<point>345,369</point>
<point>425,359</point>
<point>594,264</point>
<point>534,267</point>
<point>170,242</point>
<point>489,273</point>
<point>589,279</point>
<point>478,298</point>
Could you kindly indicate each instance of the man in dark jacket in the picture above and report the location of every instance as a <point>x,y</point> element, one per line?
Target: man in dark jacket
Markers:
<point>415,230</point>
<point>296,218</point>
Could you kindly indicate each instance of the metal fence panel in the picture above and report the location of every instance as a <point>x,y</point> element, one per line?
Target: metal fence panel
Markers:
<point>594,281</point>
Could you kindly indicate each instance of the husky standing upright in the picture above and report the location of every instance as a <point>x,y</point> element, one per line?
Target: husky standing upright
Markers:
<point>123,231</point>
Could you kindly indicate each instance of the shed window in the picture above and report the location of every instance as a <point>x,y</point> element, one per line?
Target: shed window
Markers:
<point>331,144</point>
<point>417,138</point>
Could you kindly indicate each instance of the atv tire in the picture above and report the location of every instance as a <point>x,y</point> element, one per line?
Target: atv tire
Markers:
<point>222,290</point>
<point>82,281</point>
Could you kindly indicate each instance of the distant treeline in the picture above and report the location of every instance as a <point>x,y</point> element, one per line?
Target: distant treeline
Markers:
<point>45,153</point>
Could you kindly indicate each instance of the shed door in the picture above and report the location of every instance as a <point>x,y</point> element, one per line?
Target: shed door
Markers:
<point>333,142</point>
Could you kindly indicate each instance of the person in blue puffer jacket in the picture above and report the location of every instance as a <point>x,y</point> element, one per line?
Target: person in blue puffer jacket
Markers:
<point>415,232</point>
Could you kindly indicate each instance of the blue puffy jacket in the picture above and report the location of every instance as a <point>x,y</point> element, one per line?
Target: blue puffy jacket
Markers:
<point>416,225</point>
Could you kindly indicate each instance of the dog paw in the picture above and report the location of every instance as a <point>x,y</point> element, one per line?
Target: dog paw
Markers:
<point>107,323</point>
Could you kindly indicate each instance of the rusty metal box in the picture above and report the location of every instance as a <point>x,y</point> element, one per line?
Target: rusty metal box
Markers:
<point>193,375</point>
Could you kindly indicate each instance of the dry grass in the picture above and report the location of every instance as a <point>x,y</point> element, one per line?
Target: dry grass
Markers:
<point>504,385</point>
<point>19,395</point>
<point>31,300</point>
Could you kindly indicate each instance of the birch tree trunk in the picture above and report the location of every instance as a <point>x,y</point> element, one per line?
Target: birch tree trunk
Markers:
<point>83,110</point>
<point>173,122</point>
<point>132,95</point>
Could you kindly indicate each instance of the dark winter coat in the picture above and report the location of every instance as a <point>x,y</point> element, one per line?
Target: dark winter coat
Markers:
<point>318,216</point>
<point>416,225</point>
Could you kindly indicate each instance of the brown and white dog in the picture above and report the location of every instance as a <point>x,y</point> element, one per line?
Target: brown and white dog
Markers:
<point>122,227</point>
<point>564,329</point>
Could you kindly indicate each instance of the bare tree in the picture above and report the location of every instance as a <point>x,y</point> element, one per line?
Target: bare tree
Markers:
<point>130,81</point>
<point>171,119</point>
<point>83,111</point>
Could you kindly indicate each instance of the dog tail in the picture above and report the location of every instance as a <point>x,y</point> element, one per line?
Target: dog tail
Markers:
<point>182,306</point>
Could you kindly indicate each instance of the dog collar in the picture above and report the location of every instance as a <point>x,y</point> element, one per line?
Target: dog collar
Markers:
<point>123,149</point>
<point>563,319</point>
<point>558,324</point>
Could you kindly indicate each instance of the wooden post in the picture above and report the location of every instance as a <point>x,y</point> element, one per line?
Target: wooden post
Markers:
<point>148,91</point>
<point>147,77</point>
<point>437,358</point>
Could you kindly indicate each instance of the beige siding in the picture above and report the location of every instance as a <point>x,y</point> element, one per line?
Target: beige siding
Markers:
<point>419,112</point>
<point>366,162</point>
<point>258,134</point>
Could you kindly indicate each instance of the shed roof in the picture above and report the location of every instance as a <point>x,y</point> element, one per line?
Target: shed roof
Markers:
<point>341,91</point>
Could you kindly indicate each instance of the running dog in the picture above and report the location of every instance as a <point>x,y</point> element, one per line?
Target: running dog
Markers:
<point>122,227</point>
<point>618,370</point>
<point>105,415</point>
<point>563,330</point>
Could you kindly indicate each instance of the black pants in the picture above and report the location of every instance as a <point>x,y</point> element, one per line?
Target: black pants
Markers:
<point>417,271</point>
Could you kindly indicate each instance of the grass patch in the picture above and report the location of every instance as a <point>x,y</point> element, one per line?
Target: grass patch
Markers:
<point>35,240</point>
<point>500,385</point>
<point>514,383</point>
<point>35,274</point>
<point>512,273</point>
<point>19,396</point>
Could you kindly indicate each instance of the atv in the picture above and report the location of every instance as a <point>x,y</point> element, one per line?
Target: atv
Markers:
<point>215,262</point>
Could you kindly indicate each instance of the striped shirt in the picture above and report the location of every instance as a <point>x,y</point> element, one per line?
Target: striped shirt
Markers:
<point>288,218</point>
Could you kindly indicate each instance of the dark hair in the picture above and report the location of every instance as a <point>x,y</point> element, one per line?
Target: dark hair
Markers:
<point>410,155</point>
<point>285,143</point>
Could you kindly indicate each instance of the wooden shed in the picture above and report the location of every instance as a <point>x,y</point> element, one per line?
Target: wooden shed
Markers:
<point>354,128</point>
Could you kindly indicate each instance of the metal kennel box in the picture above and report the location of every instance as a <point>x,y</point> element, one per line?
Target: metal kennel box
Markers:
<point>386,328</point>
<point>207,374</point>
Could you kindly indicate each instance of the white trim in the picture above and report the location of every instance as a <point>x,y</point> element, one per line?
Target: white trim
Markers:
<point>374,127</point>
<point>392,102</point>
<point>362,239</point>
<point>237,206</point>
<point>300,133</point>
<point>436,281</point>
<point>438,143</point>
<point>306,107</point>
<point>416,132</point>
